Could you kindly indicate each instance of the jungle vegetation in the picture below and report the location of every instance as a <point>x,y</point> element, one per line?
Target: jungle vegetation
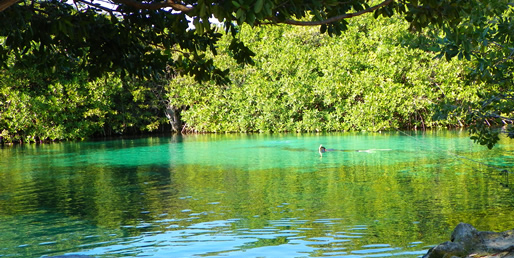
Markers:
<point>72,70</point>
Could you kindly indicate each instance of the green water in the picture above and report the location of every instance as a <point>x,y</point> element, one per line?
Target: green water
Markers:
<point>251,195</point>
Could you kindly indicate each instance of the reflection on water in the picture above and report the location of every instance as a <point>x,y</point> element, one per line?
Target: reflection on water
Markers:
<point>282,238</point>
<point>250,195</point>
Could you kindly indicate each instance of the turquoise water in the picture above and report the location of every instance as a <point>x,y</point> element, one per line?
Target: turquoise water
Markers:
<point>377,195</point>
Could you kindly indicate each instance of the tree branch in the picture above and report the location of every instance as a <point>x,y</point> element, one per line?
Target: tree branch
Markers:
<point>4,4</point>
<point>156,5</point>
<point>337,18</point>
<point>111,11</point>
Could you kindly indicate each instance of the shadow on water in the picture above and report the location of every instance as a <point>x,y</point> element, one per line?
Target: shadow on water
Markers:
<point>249,196</point>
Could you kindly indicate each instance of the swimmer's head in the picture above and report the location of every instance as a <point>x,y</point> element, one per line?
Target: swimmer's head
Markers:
<point>321,150</point>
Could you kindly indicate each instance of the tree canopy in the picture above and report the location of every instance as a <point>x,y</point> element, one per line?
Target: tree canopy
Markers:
<point>140,37</point>
<point>150,39</point>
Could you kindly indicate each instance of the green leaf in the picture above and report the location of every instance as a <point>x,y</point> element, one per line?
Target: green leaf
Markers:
<point>240,14</point>
<point>250,18</point>
<point>258,6</point>
<point>323,28</point>
<point>203,11</point>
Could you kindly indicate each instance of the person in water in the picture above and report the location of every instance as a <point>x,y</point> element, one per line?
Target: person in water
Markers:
<point>322,150</point>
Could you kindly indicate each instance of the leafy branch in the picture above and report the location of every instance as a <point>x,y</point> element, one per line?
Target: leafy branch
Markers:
<point>335,18</point>
<point>495,111</point>
<point>155,5</point>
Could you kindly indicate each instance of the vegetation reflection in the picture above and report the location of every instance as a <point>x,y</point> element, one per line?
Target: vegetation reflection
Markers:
<point>397,201</point>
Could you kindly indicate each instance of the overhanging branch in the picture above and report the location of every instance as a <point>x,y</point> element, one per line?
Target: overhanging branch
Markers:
<point>156,5</point>
<point>4,4</point>
<point>99,6</point>
<point>337,18</point>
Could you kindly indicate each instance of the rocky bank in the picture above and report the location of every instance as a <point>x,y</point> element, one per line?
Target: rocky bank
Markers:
<point>467,241</point>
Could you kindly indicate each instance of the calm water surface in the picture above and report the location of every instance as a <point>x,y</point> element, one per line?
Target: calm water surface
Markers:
<point>251,195</point>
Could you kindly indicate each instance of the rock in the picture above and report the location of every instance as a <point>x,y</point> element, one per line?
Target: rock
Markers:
<point>465,235</point>
<point>447,249</point>
<point>467,241</point>
<point>498,242</point>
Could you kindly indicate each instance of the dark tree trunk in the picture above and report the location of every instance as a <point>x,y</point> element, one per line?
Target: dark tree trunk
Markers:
<point>173,115</point>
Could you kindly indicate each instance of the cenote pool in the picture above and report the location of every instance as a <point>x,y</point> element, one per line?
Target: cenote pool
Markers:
<point>251,195</point>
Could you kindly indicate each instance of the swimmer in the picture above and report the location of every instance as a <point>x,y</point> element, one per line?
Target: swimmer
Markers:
<point>321,150</point>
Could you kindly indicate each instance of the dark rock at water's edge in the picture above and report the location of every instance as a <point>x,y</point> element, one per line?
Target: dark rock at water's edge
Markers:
<point>467,241</point>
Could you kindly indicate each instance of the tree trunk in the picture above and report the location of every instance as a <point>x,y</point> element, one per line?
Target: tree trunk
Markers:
<point>173,115</point>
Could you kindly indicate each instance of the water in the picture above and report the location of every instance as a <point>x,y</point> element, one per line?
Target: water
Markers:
<point>251,195</point>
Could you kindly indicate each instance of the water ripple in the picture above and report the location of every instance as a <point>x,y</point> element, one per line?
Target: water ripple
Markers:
<point>219,238</point>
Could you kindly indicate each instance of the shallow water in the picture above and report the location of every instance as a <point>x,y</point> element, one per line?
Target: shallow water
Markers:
<point>385,194</point>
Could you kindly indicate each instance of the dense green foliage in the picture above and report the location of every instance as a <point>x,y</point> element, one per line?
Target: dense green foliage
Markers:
<point>301,81</point>
<point>370,76</point>
<point>138,37</point>
<point>486,38</point>
<point>36,108</point>
<point>56,36</point>
<point>306,82</point>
